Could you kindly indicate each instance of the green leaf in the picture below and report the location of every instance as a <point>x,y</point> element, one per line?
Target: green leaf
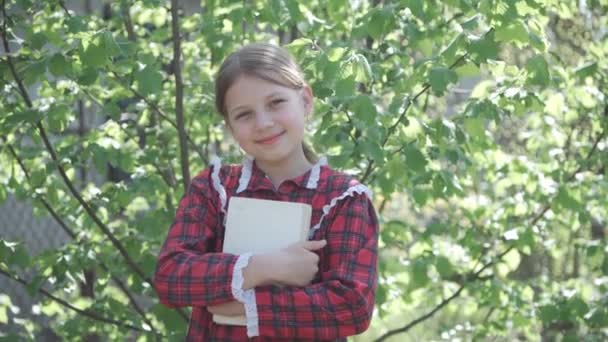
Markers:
<point>538,71</point>
<point>58,117</point>
<point>58,65</point>
<point>586,70</point>
<point>417,8</point>
<point>537,42</point>
<point>419,274</point>
<point>345,87</point>
<point>414,159</point>
<point>444,267</point>
<point>474,126</point>
<point>34,71</point>
<point>37,40</point>
<point>30,116</point>
<point>440,78</point>
<point>76,24</point>
<point>88,76</point>
<point>484,48</point>
<point>471,23</point>
<point>420,196</point>
<point>548,313</point>
<point>93,56</point>
<point>109,44</point>
<point>149,80</point>
<point>515,31</point>
<point>565,200</point>
<point>364,109</point>
<point>379,22</point>
<point>14,254</point>
<point>577,307</point>
<point>449,53</point>
<point>372,148</point>
<point>170,318</point>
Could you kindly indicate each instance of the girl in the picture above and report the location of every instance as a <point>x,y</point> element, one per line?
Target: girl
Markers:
<point>329,281</point>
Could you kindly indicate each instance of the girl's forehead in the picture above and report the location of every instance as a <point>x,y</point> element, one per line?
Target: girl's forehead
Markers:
<point>255,82</point>
<point>251,87</point>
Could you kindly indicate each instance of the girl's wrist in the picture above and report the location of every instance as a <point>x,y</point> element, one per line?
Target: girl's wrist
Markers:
<point>259,271</point>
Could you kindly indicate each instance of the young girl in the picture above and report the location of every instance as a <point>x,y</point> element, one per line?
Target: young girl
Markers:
<point>328,281</point>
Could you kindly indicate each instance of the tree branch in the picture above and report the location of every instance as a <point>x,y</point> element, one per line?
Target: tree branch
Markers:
<point>71,233</point>
<point>65,9</point>
<point>107,232</point>
<point>477,273</point>
<point>165,117</point>
<point>87,313</point>
<point>393,127</point>
<point>179,95</point>
<point>124,9</point>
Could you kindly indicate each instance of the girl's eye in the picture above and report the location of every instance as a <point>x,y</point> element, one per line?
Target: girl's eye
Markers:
<point>276,102</point>
<point>242,115</point>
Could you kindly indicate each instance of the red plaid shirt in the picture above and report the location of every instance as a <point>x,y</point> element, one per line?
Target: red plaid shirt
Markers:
<point>192,271</point>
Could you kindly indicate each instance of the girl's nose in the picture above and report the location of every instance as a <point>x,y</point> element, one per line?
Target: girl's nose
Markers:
<point>263,120</point>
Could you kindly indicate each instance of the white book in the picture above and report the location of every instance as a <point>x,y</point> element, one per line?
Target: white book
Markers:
<point>262,226</point>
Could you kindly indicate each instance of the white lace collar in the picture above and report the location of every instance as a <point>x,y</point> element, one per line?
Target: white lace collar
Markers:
<point>313,178</point>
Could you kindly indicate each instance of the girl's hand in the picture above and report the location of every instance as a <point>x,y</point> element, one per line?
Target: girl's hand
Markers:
<point>297,264</point>
<point>233,308</point>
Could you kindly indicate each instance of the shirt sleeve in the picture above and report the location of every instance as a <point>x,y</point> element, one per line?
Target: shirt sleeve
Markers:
<point>190,271</point>
<point>342,303</point>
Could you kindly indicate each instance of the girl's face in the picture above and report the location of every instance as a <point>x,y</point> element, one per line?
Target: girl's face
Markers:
<point>266,119</point>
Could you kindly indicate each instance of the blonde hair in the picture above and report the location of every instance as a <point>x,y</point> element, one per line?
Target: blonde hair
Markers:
<point>266,61</point>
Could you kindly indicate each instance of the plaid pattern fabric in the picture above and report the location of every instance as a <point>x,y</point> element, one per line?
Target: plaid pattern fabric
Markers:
<point>191,271</point>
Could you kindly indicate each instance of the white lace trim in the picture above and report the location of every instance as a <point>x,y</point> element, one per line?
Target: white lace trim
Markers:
<point>313,179</point>
<point>217,184</point>
<point>247,297</point>
<point>359,189</point>
<point>245,174</point>
<point>251,313</point>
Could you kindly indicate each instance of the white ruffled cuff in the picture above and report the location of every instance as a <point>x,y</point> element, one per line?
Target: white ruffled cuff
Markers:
<point>247,297</point>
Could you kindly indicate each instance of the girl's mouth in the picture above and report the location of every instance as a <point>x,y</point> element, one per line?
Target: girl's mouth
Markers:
<point>270,140</point>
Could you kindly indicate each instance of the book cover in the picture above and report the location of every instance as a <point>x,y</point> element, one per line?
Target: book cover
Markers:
<point>261,226</point>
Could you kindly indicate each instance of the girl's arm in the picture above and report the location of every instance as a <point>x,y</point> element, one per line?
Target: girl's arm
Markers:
<point>190,272</point>
<point>342,303</point>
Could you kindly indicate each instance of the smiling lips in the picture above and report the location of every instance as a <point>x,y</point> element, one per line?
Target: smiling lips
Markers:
<point>270,140</point>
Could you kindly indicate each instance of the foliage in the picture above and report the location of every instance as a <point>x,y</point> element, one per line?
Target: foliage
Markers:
<point>493,209</point>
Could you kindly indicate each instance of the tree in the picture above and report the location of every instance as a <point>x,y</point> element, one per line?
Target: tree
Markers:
<point>493,214</point>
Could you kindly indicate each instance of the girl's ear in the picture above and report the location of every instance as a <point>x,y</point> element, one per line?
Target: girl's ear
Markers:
<point>307,99</point>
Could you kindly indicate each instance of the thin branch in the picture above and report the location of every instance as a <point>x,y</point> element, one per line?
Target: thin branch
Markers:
<point>421,318</point>
<point>62,172</point>
<point>165,117</point>
<point>87,313</point>
<point>168,176</point>
<point>124,9</point>
<point>393,127</point>
<point>65,9</point>
<point>352,125</point>
<point>42,200</point>
<point>476,275</point>
<point>71,233</point>
<point>179,95</point>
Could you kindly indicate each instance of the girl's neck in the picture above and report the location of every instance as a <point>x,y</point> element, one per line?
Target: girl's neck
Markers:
<point>280,171</point>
